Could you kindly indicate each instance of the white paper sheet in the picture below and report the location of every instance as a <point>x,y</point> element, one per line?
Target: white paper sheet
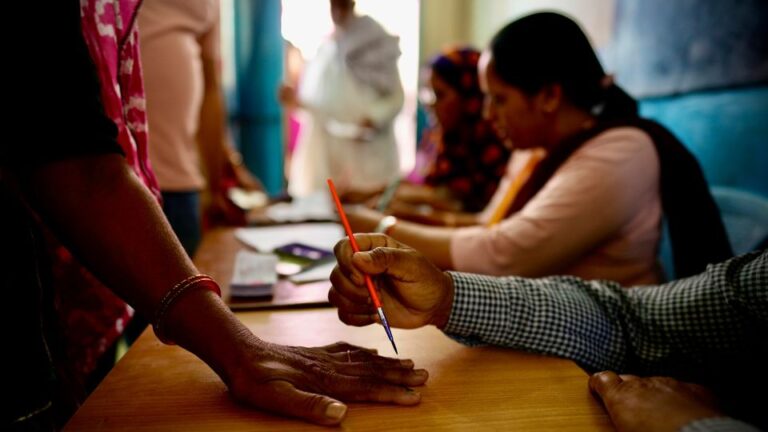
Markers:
<point>316,273</point>
<point>317,207</point>
<point>322,235</point>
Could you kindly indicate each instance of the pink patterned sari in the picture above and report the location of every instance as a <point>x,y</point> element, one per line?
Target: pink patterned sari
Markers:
<point>92,316</point>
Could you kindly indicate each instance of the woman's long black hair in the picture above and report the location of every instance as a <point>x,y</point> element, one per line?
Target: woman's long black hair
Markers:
<point>549,48</point>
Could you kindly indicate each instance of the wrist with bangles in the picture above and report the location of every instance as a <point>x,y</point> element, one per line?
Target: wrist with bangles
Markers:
<point>385,225</point>
<point>170,297</point>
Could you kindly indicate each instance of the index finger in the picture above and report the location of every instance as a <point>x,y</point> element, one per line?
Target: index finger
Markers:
<point>343,251</point>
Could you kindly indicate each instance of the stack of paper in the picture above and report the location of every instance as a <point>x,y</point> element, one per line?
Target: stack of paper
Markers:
<point>254,274</point>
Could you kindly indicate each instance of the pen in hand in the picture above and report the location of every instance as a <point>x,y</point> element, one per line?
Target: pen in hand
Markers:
<point>368,280</point>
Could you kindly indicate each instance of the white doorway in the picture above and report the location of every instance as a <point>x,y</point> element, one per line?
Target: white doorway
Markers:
<point>305,23</point>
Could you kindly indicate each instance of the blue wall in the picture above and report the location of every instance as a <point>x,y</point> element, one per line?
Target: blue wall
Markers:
<point>700,67</point>
<point>727,130</point>
<point>663,47</point>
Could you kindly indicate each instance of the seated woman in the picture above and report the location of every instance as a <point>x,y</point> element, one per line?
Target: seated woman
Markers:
<point>461,157</point>
<point>588,181</point>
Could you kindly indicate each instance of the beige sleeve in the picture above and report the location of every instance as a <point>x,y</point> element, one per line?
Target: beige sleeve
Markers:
<point>590,199</point>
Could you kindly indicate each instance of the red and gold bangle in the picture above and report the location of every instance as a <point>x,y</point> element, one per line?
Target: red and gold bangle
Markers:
<point>199,281</point>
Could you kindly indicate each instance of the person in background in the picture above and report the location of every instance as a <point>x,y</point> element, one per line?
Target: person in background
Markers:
<point>82,175</point>
<point>461,159</point>
<point>190,148</point>
<point>293,65</point>
<point>684,356</point>
<point>588,180</point>
<point>349,96</point>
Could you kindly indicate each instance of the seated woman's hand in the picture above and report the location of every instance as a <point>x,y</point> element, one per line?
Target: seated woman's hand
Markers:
<point>360,196</point>
<point>419,213</point>
<point>439,198</point>
<point>362,219</point>
<point>311,383</point>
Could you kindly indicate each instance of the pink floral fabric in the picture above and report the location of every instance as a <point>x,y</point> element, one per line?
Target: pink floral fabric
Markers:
<point>93,316</point>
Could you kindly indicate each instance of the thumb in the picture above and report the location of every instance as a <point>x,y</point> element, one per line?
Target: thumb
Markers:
<point>392,261</point>
<point>603,383</point>
<point>282,397</point>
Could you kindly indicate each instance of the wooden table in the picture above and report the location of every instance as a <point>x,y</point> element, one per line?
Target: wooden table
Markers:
<point>157,387</point>
<point>164,388</point>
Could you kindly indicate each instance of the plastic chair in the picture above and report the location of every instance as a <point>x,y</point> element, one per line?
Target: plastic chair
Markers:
<point>745,216</point>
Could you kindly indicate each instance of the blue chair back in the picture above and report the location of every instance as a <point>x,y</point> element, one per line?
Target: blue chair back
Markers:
<point>745,216</point>
<point>665,252</point>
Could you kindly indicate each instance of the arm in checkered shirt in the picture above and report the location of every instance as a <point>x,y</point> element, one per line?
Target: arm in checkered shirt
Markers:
<point>710,329</point>
<point>706,330</point>
<point>667,329</point>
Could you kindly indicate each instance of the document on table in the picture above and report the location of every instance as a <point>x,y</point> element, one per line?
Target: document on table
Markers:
<point>254,274</point>
<point>314,273</point>
<point>323,235</point>
<point>315,207</point>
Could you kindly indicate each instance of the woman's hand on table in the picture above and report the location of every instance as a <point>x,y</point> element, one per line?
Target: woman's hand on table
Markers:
<point>314,383</point>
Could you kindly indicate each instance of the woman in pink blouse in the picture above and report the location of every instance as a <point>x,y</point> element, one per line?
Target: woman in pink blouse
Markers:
<point>584,193</point>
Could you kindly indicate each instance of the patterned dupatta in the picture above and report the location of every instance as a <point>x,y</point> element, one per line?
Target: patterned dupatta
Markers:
<point>92,316</point>
<point>109,28</point>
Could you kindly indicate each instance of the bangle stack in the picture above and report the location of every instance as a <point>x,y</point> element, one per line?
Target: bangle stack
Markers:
<point>199,281</point>
<point>386,224</point>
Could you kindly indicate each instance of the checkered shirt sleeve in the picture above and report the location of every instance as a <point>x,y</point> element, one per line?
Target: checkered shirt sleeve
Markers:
<point>669,329</point>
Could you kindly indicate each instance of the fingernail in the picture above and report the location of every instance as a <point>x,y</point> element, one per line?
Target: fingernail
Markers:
<point>406,363</point>
<point>335,411</point>
<point>421,373</point>
<point>411,396</point>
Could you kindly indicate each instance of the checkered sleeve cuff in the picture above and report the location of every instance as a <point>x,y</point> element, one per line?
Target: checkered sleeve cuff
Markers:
<point>480,309</point>
<point>547,315</point>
